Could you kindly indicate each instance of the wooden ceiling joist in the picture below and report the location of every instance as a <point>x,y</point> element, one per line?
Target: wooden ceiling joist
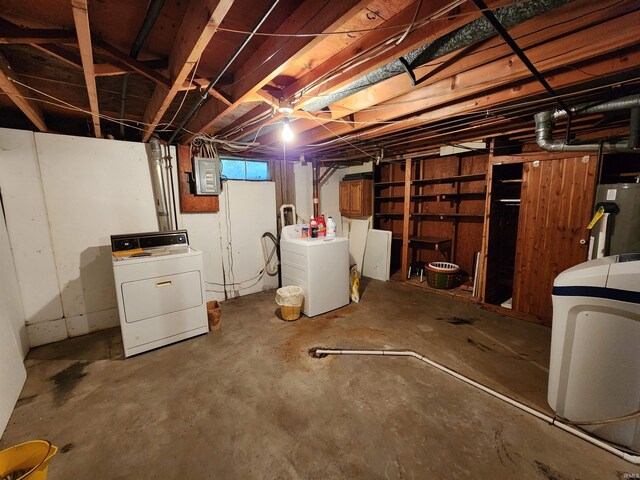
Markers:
<point>56,51</point>
<point>331,75</point>
<point>110,69</point>
<point>199,24</point>
<point>8,87</point>
<point>577,15</point>
<point>468,79</point>
<point>276,53</point>
<point>83,31</point>
<point>134,64</point>
<point>18,35</point>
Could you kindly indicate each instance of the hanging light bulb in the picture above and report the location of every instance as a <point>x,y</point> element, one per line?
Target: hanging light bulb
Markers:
<point>287,133</point>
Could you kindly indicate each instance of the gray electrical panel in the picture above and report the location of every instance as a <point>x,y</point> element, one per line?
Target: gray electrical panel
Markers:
<point>207,173</point>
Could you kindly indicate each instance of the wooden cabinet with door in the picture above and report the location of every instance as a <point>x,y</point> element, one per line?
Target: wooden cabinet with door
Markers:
<point>356,198</point>
<point>539,231</point>
<point>555,210</point>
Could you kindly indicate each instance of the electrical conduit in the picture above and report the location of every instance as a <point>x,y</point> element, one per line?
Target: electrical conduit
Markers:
<point>635,459</point>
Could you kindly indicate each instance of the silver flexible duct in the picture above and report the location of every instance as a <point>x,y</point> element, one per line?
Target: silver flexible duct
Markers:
<point>158,185</point>
<point>546,120</point>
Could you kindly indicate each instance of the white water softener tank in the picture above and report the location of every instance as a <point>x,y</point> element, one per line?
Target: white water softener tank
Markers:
<point>594,372</point>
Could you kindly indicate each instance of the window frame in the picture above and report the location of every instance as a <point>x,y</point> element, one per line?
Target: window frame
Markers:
<point>245,161</point>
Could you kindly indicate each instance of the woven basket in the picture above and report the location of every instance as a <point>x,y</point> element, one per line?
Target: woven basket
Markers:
<point>442,275</point>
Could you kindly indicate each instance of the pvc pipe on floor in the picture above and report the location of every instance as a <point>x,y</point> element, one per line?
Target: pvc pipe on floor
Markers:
<point>635,459</point>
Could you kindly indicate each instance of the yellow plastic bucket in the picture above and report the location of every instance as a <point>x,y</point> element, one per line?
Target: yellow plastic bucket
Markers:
<point>31,457</point>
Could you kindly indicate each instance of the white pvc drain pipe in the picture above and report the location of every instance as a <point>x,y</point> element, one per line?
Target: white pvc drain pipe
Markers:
<point>635,459</point>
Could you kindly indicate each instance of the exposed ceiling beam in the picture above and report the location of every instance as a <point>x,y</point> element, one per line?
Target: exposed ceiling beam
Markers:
<point>510,93</point>
<point>473,73</point>
<point>81,20</point>
<point>110,69</point>
<point>276,53</point>
<point>377,48</point>
<point>18,35</point>
<point>136,65</point>
<point>56,51</point>
<point>472,83</point>
<point>199,24</point>
<point>27,107</point>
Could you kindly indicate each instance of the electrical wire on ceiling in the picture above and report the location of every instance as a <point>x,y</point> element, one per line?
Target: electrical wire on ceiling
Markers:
<point>274,53</point>
<point>372,54</point>
<point>519,108</point>
<point>400,28</point>
<point>186,92</point>
<point>69,106</point>
<point>341,138</point>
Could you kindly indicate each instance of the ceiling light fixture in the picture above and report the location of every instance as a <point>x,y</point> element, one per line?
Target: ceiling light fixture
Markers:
<point>287,133</point>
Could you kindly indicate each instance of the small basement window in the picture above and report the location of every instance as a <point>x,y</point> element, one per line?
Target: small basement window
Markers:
<point>242,169</point>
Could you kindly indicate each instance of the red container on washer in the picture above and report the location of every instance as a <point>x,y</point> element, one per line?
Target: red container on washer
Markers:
<point>322,226</point>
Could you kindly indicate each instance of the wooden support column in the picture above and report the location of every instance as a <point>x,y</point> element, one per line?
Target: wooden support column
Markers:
<point>406,218</point>
<point>484,250</point>
<point>83,31</point>
<point>27,107</point>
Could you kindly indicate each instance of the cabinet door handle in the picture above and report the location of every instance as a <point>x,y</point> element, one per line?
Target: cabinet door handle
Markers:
<point>166,283</point>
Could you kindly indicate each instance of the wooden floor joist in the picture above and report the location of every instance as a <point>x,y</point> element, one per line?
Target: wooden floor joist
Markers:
<point>200,23</point>
<point>8,87</point>
<point>83,31</point>
<point>276,53</point>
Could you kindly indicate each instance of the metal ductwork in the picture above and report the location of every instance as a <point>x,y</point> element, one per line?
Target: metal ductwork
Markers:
<point>546,120</point>
<point>469,34</point>
<point>158,184</point>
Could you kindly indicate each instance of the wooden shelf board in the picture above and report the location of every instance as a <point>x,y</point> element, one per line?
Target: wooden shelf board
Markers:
<point>435,241</point>
<point>391,198</point>
<point>389,214</point>
<point>389,184</point>
<point>456,178</point>
<point>450,195</point>
<point>470,215</point>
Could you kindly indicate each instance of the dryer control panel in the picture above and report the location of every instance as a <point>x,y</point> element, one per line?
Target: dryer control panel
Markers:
<point>133,241</point>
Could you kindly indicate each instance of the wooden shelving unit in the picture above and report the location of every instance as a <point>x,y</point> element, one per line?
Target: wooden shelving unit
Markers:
<point>433,205</point>
<point>388,200</point>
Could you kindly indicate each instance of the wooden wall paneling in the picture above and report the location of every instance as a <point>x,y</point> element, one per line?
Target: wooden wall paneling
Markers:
<point>190,203</point>
<point>556,202</point>
<point>406,218</point>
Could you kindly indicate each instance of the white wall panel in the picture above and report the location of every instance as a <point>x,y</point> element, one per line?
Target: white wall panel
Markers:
<point>12,371</point>
<point>11,292</point>
<point>93,188</point>
<point>251,212</point>
<point>28,226</point>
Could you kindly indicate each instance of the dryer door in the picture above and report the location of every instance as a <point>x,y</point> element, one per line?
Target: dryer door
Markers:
<point>157,296</point>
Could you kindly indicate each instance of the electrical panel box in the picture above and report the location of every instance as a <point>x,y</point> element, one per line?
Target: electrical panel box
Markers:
<point>207,173</point>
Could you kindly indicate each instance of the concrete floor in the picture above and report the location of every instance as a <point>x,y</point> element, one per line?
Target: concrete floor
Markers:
<point>248,402</point>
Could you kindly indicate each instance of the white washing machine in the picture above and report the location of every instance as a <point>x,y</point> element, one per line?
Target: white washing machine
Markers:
<point>594,372</point>
<point>160,289</point>
<point>319,265</point>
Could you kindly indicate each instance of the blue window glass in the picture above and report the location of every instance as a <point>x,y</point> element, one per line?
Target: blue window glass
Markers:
<point>233,169</point>
<point>240,169</point>
<point>257,171</point>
